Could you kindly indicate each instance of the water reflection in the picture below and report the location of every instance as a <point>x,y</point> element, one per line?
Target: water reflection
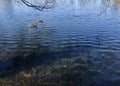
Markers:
<point>6,7</point>
<point>75,44</point>
<point>116,4</point>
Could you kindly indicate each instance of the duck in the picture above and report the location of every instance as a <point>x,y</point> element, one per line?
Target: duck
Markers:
<point>39,21</point>
<point>32,25</point>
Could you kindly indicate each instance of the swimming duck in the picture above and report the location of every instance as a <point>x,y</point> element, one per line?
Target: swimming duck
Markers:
<point>39,21</point>
<point>32,25</point>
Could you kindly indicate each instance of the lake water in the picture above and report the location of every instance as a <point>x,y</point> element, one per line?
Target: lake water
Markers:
<point>77,45</point>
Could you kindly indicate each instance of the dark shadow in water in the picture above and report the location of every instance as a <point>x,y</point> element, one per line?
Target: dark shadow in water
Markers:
<point>27,58</point>
<point>19,63</point>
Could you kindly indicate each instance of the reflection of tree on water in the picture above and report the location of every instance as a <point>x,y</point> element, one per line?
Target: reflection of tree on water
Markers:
<point>7,7</point>
<point>116,4</point>
<point>113,5</point>
<point>48,4</point>
<point>40,5</point>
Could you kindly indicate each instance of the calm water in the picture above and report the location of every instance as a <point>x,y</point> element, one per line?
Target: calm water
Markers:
<point>80,36</point>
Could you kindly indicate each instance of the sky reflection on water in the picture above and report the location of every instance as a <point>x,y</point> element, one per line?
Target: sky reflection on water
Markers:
<point>74,30</point>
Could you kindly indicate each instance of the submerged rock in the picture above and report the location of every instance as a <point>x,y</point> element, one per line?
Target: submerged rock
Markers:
<point>28,74</point>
